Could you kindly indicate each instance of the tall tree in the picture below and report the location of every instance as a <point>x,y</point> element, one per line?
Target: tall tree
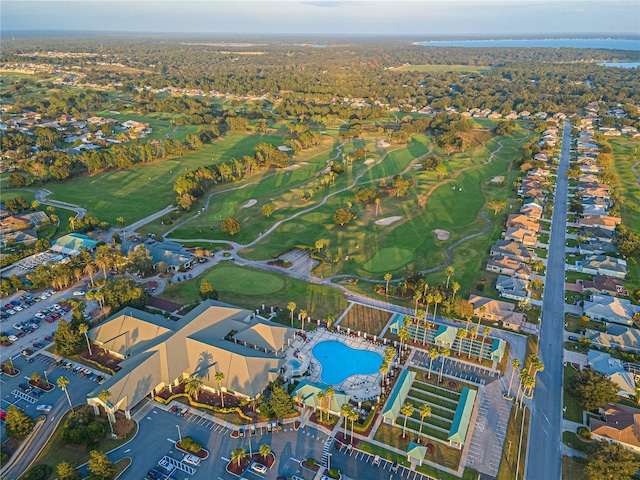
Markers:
<point>449,273</point>
<point>291,306</point>
<point>83,328</point>
<point>515,364</point>
<point>496,205</point>
<point>66,471</point>
<point>18,424</point>
<point>387,278</point>
<point>611,461</point>
<point>433,354</point>
<point>231,225</point>
<point>265,450</point>
<point>303,316</point>
<point>406,410</point>
<point>485,332</point>
<point>592,389</point>
<point>207,291</point>
<point>238,454</point>
<point>100,466</point>
<point>444,353</point>
<point>219,377</point>
<point>193,386</point>
<point>425,411</point>
<point>461,334</point>
<point>63,383</point>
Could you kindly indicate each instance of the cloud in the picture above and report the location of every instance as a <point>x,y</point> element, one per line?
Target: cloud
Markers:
<point>326,4</point>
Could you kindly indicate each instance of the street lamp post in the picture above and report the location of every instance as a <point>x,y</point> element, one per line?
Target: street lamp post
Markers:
<point>329,460</point>
<point>179,434</point>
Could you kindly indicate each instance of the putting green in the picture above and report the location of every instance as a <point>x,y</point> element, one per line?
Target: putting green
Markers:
<point>246,282</point>
<point>388,259</point>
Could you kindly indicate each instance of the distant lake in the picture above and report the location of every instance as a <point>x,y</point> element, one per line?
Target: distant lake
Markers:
<point>620,64</point>
<point>606,43</point>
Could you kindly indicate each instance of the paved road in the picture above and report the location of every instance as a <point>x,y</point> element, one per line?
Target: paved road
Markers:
<point>79,386</point>
<point>545,436</point>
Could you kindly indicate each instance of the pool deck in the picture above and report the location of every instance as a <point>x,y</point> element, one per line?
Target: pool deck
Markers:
<point>360,387</point>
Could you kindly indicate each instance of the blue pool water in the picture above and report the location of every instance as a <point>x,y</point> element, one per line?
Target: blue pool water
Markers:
<point>295,363</point>
<point>340,361</point>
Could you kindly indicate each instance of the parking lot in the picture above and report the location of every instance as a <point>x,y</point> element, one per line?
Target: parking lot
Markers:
<point>457,369</point>
<point>36,321</point>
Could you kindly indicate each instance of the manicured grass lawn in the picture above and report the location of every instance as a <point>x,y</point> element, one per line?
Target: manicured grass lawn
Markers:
<point>365,319</point>
<point>573,468</point>
<point>574,441</point>
<point>574,324</point>
<point>443,455</point>
<point>574,409</point>
<point>541,252</point>
<point>572,276</point>
<point>55,451</point>
<point>251,288</point>
<point>384,453</point>
<point>625,154</point>
<point>515,431</point>
<point>6,194</point>
<point>128,193</point>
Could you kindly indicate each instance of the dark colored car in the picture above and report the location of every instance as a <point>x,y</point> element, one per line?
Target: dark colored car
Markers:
<point>49,338</point>
<point>154,474</point>
<point>23,387</point>
<point>38,345</point>
<point>37,393</point>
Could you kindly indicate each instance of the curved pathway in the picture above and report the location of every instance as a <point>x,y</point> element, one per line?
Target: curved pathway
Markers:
<point>41,197</point>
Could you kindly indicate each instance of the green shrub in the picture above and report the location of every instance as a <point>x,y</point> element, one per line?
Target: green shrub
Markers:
<point>584,432</point>
<point>311,461</point>
<point>189,444</point>
<point>39,472</point>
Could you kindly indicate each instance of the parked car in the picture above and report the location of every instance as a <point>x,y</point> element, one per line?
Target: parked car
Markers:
<point>79,293</point>
<point>17,326</point>
<point>37,393</point>
<point>12,338</point>
<point>154,475</point>
<point>49,319</point>
<point>376,461</point>
<point>191,460</point>
<point>48,338</point>
<point>26,352</point>
<point>44,408</point>
<point>259,468</point>
<point>573,338</point>
<point>393,468</point>
<point>23,387</point>
<point>38,345</point>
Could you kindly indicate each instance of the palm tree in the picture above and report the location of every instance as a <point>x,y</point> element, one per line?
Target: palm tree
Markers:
<point>387,278</point>
<point>90,269</point>
<point>433,354</point>
<point>303,315</point>
<point>473,333</point>
<point>353,416</point>
<point>104,258</point>
<point>329,393</point>
<point>384,369</point>
<point>444,353</point>
<point>403,335</point>
<point>515,364</point>
<point>529,385</point>
<point>455,287</point>
<point>437,298</point>
<point>83,328</point>
<point>417,296</point>
<point>35,377</point>
<point>238,454</point>
<point>533,358</point>
<point>192,387</point>
<point>408,320</point>
<point>104,396</point>
<point>265,450</point>
<point>72,223</point>
<point>63,383</point>
<point>345,410</point>
<point>291,306</point>
<point>448,272</point>
<point>321,397</point>
<point>538,366</point>
<point>407,410</point>
<point>485,331</point>
<point>425,411</point>
<point>219,377</point>
<point>522,373</point>
<point>461,334</point>
<point>429,300</point>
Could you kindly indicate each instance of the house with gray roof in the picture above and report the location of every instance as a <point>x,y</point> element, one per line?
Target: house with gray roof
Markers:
<point>616,336</point>
<point>214,337</point>
<point>612,367</point>
<point>610,309</point>
<point>596,248</point>
<point>604,265</point>
<point>513,250</point>
<point>512,288</point>
<point>173,254</point>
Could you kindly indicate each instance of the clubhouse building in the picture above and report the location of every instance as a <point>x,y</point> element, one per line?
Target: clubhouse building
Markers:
<point>214,337</point>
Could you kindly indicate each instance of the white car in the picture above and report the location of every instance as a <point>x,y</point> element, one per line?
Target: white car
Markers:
<point>11,311</point>
<point>191,460</point>
<point>18,308</point>
<point>79,293</point>
<point>44,408</point>
<point>12,338</point>
<point>259,468</point>
<point>44,296</point>
<point>40,315</point>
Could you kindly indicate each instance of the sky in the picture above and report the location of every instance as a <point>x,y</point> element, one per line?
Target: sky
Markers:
<point>424,19</point>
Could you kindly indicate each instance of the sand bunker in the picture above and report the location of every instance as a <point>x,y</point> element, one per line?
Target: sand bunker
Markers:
<point>250,203</point>
<point>381,144</point>
<point>442,234</point>
<point>291,168</point>
<point>390,220</point>
<point>369,161</point>
<point>303,163</point>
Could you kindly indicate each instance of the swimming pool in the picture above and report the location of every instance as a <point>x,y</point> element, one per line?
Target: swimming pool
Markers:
<point>295,363</point>
<point>340,361</point>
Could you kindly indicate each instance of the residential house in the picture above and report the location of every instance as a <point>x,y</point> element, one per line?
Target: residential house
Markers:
<point>612,367</point>
<point>496,311</point>
<point>598,234</point>
<point>509,266</point>
<point>532,212</point>
<point>610,309</point>
<point>620,424</point>
<point>24,237</point>
<point>596,248</point>
<point>595,210</point>
<point>512,288</point>
<point>517,234</point>
<point>513,250</point>
<point>522,221</point>
<point>608,223</point>
<point>533,202</point>
<point>619,337</point>
<point>604,285</point>
<point>604,265</point>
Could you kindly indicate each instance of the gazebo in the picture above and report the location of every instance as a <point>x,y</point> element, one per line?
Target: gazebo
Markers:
<point>416,452</point>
